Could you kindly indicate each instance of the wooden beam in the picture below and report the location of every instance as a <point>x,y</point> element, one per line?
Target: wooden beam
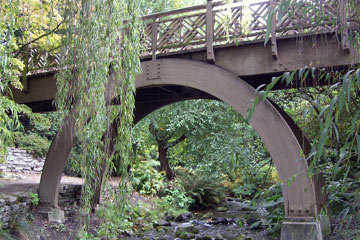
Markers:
<point>210,56</point>
<point>154,38</point>
<point>274,51</point>
<point>343,24</point>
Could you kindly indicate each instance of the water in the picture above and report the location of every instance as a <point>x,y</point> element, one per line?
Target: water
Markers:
<point>204,223</point>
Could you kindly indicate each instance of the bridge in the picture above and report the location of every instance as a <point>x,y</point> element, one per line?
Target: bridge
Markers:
<point>194,53</point>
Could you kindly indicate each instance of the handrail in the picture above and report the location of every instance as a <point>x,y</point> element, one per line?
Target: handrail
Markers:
<point>203,27</point>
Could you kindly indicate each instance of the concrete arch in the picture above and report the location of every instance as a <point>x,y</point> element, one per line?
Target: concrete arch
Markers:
<point>285,148</point>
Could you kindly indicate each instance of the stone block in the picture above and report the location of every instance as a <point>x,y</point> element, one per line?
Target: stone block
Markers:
<point>15,207</point>
<point>2,202</point>
<point>305,229</point>
<point>56,216</point>
<point>11,200</point>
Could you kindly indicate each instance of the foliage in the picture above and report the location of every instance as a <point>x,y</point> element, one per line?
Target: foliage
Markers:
<point>94,38</point>
<point>34,198</point>
<point>32,143</point>
<point>334,117</point>
<point>113,224</point>
<point>154,6</point>
<point>9,120</point>
<point>217,138</point>
<point>145,179</point>
<point>205,190</point>
<point>24,24</point>
<point>248,183</point>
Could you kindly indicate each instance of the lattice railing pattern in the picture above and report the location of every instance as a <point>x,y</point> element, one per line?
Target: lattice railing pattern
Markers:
<point>179,33</point>
<point>217,24</point>
<point>309,17</point>
<point>39,60</point>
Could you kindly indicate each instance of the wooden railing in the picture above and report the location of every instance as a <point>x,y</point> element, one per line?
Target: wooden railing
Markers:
<point>214,24</point>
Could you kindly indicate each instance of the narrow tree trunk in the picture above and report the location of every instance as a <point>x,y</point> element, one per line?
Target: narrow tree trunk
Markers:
<point>104,168</point>
<point>164,163</point>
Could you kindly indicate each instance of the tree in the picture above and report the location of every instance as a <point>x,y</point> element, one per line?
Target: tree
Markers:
<point>24,25</point>
<point>164,144</point>
<point>205,135</point>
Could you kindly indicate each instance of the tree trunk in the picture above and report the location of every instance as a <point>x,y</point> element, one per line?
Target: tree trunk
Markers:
<point>164,163</point>
<point>104,168</point>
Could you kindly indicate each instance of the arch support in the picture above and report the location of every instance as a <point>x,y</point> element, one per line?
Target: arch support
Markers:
<point>286,150</point>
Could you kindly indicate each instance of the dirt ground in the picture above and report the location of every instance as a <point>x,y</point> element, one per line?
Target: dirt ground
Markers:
<point>21,182</point>
<point>37,226</point>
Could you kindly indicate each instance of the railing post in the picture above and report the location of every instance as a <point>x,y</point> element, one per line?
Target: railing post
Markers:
<point>343,25</point>
<point>274,51</point>
<point>210,56</point>
<point>154,38</point>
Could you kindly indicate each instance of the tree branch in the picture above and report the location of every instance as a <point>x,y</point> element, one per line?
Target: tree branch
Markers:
<point>177,141</point>
<point>36,39</point>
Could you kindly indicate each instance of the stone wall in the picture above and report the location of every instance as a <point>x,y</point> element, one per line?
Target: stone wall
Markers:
<point>18,205</point>
<point>12,207</point>
<point>20,161</point>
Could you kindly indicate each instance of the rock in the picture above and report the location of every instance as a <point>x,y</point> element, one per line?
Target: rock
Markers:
<point>230,221</point>
<point>256,225</point>
<point>186,236</point>
<point>2,202</point>
<point>11,200</point>
<point>222,209</point>
<point>261,211</point>
<point>186,231</point>
<point>244,237</point>
<point>203,238</point>
<point>129,232</point>
<point>251,221</point>
<point>218,220</point>
<point>207,215</point>
<point>163,223</point>
<point>218,237</point>
<point>229,199</point>
<point>183,217</point>
<point>161,229</point>
<point>56,216</point>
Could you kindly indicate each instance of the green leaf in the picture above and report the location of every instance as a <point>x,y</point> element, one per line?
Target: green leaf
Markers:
<point>358,147</point>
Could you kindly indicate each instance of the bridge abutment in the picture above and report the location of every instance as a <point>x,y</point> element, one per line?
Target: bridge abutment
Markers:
<point>305,228</point>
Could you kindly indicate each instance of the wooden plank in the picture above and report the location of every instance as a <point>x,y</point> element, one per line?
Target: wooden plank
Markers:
<point>175,12</point>
<point>344,29</point>
<point>274,51</point>
<point>210,56</point>
<point>154,39</point>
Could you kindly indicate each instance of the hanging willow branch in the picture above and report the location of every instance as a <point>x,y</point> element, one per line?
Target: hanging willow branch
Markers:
<point>100,62</point>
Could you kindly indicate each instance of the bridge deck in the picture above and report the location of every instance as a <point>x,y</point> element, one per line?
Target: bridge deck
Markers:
<point>215,25</point>
<point>202,33</point>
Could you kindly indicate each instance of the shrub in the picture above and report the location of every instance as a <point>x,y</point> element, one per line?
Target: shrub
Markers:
<point>32,143</point>
<point>145,179</point>
<point>205,190</point>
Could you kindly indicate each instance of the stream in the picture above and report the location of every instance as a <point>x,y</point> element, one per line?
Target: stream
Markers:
<point>230,221</point>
